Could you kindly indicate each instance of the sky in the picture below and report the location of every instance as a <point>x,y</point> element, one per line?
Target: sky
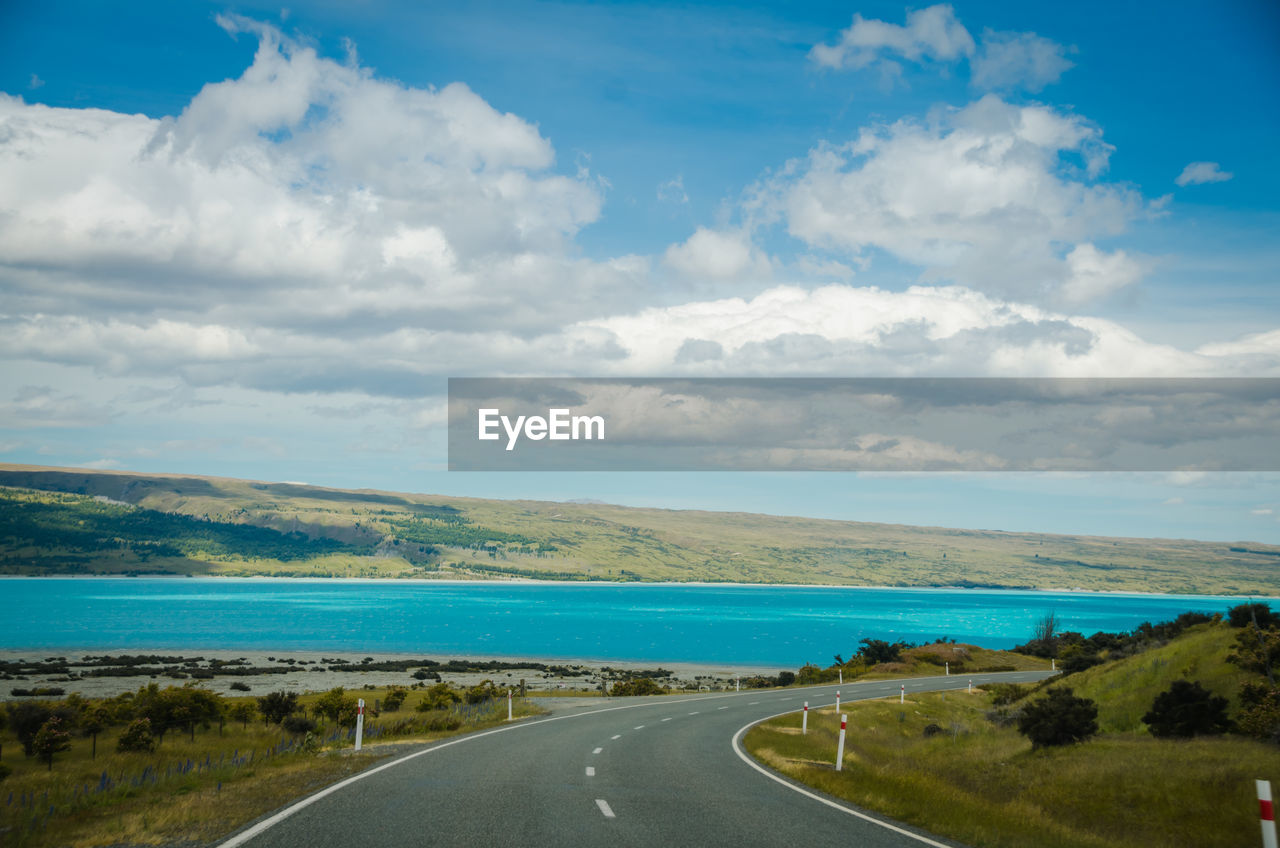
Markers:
<point>254,241</point>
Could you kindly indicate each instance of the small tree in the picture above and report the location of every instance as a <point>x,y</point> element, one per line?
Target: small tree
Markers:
<point>137,737</point>
<point>1060,718</point>
<point>274,706</point>
<point>27,719</point>
<point>50,739</point>
<point>336,705</point>
<point>1187,709</point>
<point>93,720</point>
<point>243,711</point>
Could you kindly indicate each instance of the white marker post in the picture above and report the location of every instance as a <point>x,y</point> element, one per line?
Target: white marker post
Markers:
<point>840,671</point>
<point>1053,665</point>
<point>837,700</point>
<point>970,684</point>
<point>804,720</point>
<point>508,705</point>
<point>902,697</point>
<point>1267,813</point>
<point>844,719</point>
<point>359,723</point>
<point>737,683</point>
<point>947,666</point>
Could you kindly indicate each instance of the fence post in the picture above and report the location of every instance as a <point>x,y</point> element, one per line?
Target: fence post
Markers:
<point>1267,813</point>
<point>844,719</point>
<point>804,721</point>
<point>359,723</point>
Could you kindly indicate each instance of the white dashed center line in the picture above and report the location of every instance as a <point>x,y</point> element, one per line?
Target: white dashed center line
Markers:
<point>597,750</point>
<point>668,718</point>
<point>722,708</point>
<point>605,808</point>
<point>638,727</point>
<point>619,736</point>
<point>591,771</point>
<point>753,703</point>
<point>695,712</point>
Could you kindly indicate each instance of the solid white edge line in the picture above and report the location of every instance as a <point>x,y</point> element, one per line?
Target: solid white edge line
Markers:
<point>238,839</point>
<point>605,808</point>
<point>830,802</point>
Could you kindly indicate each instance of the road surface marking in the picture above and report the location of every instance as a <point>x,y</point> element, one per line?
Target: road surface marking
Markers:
<point>591,771</point>
<point>668,718</point>
<point>752,703</point>
<point>253,831</point>
<point>638,727</point>
<point>695,712</point>
<point>830,803</point>
<point>722,708</point>
<point>597,750</point>
<point>605,808</point>
<point>619,736</point>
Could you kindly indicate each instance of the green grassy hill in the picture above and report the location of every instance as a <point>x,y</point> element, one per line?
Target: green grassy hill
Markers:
<point>331,532</point>
<point>954,764</point>
<point>1125,688</point>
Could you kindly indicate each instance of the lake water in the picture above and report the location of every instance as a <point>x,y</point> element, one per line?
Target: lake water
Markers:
<point>748,625</point>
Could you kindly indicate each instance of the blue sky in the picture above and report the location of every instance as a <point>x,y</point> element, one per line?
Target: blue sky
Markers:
<point>246,240</point>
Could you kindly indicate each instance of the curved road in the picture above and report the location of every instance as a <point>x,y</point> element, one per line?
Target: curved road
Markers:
<point>651,771</point>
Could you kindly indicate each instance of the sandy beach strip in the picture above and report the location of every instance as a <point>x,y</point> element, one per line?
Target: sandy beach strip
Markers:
<point>319,675</point>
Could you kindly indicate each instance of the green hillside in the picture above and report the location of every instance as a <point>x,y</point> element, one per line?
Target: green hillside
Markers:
<point>955,764</point>
<point>104,522</point>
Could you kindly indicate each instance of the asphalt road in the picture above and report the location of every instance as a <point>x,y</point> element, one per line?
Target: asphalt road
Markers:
<point>657,771</point>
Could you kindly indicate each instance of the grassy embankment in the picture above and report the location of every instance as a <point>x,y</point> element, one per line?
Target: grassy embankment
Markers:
<point>197,790</point>
<point>214,523</point>
<point>978,781</point>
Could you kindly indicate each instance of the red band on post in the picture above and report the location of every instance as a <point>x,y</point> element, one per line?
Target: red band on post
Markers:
<point>1267,810</point>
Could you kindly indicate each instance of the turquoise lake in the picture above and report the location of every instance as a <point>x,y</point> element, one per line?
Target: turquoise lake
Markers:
<point>748,625</point>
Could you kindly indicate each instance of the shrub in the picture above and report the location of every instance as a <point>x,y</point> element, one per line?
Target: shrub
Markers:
<point>240,687</point>
<point>1260,711</point>
<point>1060,718</point>
<point>1187,709</point>
<point>137,737</point>
<point>786,678</point>
<point>481,692</point>
<point>1243,615</point>
<point>438,697</point>
<point>298,724</point>
<point>637,686</point>
<point>395,698</point>
<point>931,730</point>
<point>876,651</point>
<point>5,771</point>
<point>276,705</point>
<point>1003,694</point>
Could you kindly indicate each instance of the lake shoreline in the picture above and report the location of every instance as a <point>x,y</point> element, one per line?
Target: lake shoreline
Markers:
<point>531,581</point>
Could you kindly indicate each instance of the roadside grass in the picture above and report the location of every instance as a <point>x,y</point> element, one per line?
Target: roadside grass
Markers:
<point>1125,688</point>
<point>198,790</point>
<point>982,784</point>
